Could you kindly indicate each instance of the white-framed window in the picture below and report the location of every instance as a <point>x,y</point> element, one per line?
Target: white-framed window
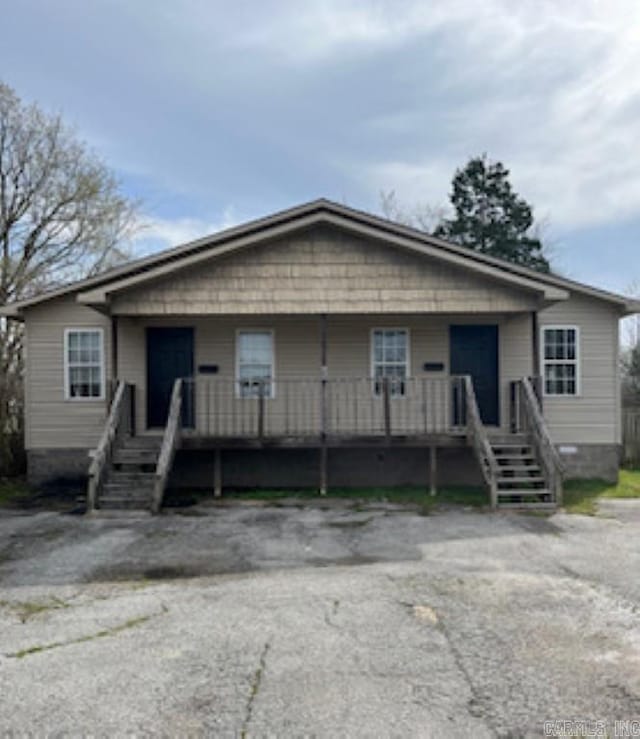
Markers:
<point>390,358</point>
<point>560,356</point>
<point>84,370</point>
<point>254,363</point>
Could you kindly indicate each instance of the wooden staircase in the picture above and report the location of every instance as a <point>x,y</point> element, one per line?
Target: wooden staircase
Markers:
<point>519,478</point>
<point>130,472</point>
<point>130,479</point>
<point>521,469</point>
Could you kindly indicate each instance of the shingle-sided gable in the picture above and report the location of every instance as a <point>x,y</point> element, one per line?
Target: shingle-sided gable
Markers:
<point>321,270</point>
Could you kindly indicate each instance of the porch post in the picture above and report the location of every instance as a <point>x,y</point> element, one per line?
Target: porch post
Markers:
<point>217,473</point>
<point>433,469</point>
<point>535,345</point>
<point>114,355</point>
<point>323,469</point>
<point>324,452</point>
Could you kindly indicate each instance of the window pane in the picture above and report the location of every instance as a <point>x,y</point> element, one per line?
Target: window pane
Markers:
<point>84,359</point>
<point>255,363</point>
<point>255,348</point>
<point>255,371</point>
<point>390,359</point>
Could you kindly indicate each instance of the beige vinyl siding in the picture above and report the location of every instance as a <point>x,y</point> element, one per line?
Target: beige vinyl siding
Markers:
<point>594,415</point>
<point>322,271</point>
<point>297,350</point>
<point>51,422</point>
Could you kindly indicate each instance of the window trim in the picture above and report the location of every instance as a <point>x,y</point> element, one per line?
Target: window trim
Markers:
<point>577,361</point>
<point>249,330</point>
<point>66,366</point>
<point>372,363</point>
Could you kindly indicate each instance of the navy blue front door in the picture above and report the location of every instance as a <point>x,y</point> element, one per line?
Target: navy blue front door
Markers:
<point>474,351</point>
<point>169,356</point>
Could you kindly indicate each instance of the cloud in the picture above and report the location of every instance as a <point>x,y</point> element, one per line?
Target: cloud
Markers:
<point>551,89</point>
<point>323,28</point>
<point>155,233</point>
<point>269,103</point>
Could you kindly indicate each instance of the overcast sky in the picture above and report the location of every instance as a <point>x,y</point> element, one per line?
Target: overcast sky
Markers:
<point>217,112</point>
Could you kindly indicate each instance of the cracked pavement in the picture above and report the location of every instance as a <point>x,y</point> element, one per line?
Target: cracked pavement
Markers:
<point>249,620</point>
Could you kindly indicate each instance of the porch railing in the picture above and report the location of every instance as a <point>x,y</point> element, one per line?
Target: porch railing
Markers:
<point>170,442</point>
<point>291,407</point>
<point>479,440</point>
<point>529,420</point>
<point>516,409</point>
<point>120,423</point>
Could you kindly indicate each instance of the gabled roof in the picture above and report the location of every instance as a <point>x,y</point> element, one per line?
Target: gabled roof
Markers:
<point>96,290</point>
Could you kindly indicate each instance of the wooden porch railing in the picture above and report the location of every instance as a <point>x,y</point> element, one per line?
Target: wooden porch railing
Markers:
<point>479,440</point>
<point>515,401</point>
<point>120,422</point>
<point>321,408</point>
<point>170,442</point>
<point>529,420</point>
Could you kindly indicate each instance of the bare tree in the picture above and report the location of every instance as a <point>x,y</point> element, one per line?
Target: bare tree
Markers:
<point>62,216</point>
<point>423,216</point>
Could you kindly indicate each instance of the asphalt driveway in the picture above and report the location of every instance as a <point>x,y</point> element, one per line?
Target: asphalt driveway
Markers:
<point>290,620</point>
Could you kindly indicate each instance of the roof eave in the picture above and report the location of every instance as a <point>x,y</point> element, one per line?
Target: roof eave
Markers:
<point>11,311</point>
<point>631,307</point>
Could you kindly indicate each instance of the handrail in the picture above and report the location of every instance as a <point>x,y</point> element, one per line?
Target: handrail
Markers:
<point>537,427</point>
<point>480,441</point>
<point>169,445</point>
<point>104,451</point>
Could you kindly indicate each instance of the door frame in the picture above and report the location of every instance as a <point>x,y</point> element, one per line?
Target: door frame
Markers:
<point>495,326</point>
<point>188,409</point>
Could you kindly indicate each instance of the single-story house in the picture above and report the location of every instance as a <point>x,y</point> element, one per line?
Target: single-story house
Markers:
<point>321,346</point>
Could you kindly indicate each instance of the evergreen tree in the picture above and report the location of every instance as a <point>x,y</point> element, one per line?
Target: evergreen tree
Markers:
<point>490,217</point>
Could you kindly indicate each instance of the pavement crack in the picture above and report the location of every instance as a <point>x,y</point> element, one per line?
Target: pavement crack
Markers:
<point>328,616</point>
<point>38,648</point>
<point>477,704</point>
<point>255,688</point>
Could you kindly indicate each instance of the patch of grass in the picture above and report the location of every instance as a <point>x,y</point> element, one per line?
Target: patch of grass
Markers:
<point>465,496</point>
<point>17,494</point>
<point>25,609</point>
<point>581,496</point>
<point>12,491</point>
